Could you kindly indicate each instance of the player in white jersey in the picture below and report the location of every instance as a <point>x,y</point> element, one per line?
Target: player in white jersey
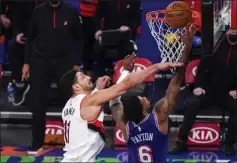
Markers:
<point>82,115</point>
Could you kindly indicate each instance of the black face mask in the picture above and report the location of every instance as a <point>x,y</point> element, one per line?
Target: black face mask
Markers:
<point>54,2</point>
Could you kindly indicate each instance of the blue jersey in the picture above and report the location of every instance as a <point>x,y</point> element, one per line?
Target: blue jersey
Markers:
<point>145,142</point>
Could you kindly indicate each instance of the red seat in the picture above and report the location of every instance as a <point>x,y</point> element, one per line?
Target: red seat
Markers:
<point>191,70</point>
<point>140,64</point>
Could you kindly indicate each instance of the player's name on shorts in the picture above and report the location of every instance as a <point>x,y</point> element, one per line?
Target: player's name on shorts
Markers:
<point>69,111</point>
<point>142,137</point>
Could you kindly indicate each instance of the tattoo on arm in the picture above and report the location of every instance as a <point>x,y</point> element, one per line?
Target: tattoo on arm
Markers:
<point>174,86</point>
<point>162,110</point>
<point>171,94</point>
<point>160,106</point>
<point>166,104</point>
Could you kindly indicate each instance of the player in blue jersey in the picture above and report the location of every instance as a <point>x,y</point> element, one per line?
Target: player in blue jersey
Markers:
<point>146,133</point>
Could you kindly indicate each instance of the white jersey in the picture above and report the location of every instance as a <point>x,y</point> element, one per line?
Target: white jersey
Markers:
<point>83,139</point>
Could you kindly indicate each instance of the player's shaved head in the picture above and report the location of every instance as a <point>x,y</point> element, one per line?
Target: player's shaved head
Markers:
<point>132,109</point>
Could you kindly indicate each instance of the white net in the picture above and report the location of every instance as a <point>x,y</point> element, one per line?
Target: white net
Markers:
<point>168,40</point>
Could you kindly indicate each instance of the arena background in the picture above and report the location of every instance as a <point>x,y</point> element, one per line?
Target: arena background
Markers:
<point>146,44</point>
<point>147,48</point>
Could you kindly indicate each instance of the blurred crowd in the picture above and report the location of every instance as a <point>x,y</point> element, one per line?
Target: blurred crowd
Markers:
<point>58,35</point>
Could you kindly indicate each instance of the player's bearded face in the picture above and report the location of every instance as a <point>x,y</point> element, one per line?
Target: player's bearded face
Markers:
<point>87,85</point>
<point>85,82</point>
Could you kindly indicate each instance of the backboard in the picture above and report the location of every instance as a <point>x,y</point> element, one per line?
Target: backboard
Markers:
<point>216,20</point>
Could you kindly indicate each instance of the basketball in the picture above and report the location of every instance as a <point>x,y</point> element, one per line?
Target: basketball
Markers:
<point>178,14</point>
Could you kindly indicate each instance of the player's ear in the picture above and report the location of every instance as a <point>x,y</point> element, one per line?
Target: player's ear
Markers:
<point>145,110</point>
<point>76,87</point>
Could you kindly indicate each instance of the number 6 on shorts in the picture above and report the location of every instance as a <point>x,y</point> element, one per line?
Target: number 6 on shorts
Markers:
<point>144,154</point>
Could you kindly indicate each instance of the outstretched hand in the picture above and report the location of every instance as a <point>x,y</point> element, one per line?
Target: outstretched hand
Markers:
<point>233,94</point>
<point>168,65</point>
<point>188,35</point>
<point>129,61</point>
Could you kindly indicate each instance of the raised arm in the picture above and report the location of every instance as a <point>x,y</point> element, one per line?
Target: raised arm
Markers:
<point>114,91</point>
<point>93,102</point>
<point>165,105</point>
<point>131,81</point>
<point>116,105</point>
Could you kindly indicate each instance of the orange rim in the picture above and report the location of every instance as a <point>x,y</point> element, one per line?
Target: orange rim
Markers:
<point>150,17</point>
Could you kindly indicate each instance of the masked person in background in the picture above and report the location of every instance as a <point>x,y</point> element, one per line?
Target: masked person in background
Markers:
<point>21,14</point>
<point>87,13</point>
<point>53,30</point>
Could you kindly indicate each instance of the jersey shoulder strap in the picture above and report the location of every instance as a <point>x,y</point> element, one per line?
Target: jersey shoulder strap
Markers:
<point>74,103</point>
<point>154,119</point>
<point>131,125</point>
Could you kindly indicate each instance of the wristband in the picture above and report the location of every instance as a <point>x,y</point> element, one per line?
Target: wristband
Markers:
<point>115,101</point>
<point>123,75</point>
<point>94,91</point>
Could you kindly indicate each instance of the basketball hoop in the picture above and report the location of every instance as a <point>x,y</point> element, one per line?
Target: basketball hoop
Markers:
<point>168,40</point>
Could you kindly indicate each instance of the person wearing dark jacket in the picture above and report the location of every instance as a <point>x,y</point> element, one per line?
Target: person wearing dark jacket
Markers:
<point>215,84</point>
<point>122,15</point>
<point>108,11</point>
<point>54,45</point>
<point>21,14</point>
<point>130,15</point>
<point>87,14</point>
